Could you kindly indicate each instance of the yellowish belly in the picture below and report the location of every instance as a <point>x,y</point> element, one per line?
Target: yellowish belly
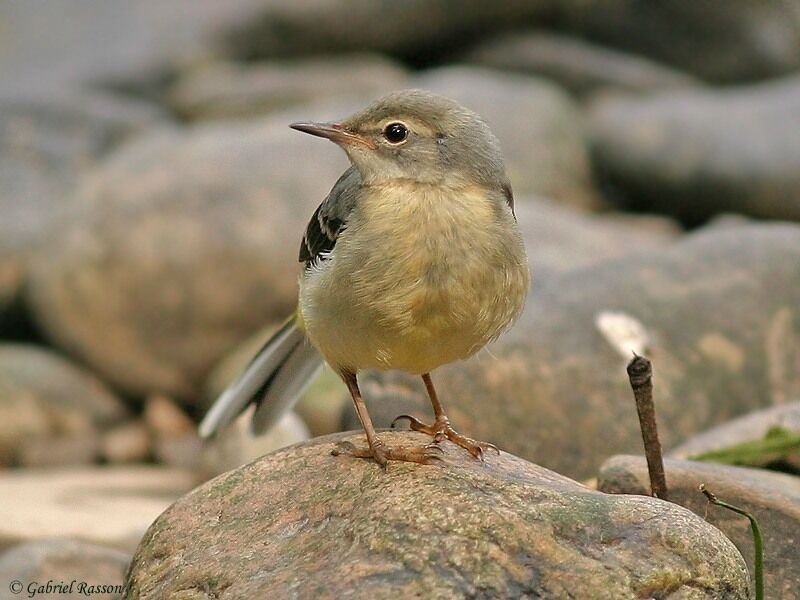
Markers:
<point>415,289</point>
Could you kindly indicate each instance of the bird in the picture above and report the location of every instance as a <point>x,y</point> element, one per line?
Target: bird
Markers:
<point>414,260</point>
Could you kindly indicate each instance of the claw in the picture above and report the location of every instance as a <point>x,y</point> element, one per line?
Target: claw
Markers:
<point>411,420</point>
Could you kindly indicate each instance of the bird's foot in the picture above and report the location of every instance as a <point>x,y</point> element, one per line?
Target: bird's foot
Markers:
<point>424,455</point>
<point>441,430</point>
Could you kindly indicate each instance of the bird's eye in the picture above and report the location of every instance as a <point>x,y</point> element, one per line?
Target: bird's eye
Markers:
<point>395,133</point>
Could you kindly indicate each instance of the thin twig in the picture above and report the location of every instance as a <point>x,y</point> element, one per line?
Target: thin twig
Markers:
<point>758,542</point>
<point>640,374</point>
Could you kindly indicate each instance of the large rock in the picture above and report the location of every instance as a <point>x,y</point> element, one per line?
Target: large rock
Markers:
<point>51,411</point>
<point>183,244</point>
<point>83,569</point>
<point>305,524</point>
<point>232,90</point>
<point>107,506</point>
<point>717,314</point>
<point>772,498</point>
<point>580,66</point>
<point>693,154</point>
<point>539,128</point>
<point>745,39</point>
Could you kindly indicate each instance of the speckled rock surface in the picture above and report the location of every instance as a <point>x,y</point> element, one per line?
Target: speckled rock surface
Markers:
<point>302,523</point>
<point>716,313</point>
<point>772,498</point>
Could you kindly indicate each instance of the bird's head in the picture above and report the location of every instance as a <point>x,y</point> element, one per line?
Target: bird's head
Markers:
<point>417,135</point>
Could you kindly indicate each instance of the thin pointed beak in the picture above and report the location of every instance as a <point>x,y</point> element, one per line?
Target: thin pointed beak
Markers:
<point>334,132</point>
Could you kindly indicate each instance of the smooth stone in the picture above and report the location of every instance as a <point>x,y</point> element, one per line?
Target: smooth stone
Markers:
<point>302,523</point>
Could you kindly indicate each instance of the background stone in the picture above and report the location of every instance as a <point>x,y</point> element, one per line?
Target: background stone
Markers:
<point>60,560</point>
<point>51,411</point>
<point>580,66</point>
<point>693,154</point>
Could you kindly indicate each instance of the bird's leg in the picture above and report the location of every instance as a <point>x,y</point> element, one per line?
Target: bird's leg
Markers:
<point>377,449</point>
<point>441,428</point>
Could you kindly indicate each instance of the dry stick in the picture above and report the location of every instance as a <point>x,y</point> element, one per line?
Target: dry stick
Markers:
<point>640,374</point>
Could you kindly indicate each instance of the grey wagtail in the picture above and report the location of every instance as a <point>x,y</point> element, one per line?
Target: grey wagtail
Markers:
<point>413,261</point>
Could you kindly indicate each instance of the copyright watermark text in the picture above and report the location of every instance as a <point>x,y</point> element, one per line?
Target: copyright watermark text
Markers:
<point>31,589</point>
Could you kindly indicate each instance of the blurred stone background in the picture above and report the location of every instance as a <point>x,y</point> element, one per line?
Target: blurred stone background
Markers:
<point>152,200</point>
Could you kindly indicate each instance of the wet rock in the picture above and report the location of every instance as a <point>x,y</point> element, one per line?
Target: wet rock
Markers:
<point>506,529</point>
<point>183,244</point>
<point>715,312</point>
<point>758,431</point>
<point>60,561</point>
<point>694,154</point>
<point>228,90</point>
<point>51,411</point>
<point>772,498</point>
<point>538,126</point>
<point>108,506</point>
<point>580,66</point>
<point>748,40</point>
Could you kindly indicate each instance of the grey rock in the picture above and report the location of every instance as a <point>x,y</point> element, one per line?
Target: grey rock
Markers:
<point>538,125</point>
<point>51,411</point>
<point>580,66</point>
<point>84,569</point>
<point>182,245</point>
<point>748,40</point>
<point>693,154</point>
<point>416,30</point>
<point>716,313</point>
<point>234,90</point>
<point>458,529</point>
<point>111,43</point>
<point>772,498</point>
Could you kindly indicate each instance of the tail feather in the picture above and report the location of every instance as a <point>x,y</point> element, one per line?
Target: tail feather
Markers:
<point>286,359</point>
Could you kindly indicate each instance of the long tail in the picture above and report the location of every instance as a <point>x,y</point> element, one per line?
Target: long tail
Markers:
<point>273,380</point>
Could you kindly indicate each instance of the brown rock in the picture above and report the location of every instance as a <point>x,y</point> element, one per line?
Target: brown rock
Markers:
<point>110,506</point>
<point>301,522</point>
<point>185,243</point>
<point>772,498</point>
<point>174,436</point>
<point>715,312</point>
<point>83,569</point>
<point>538,125</point>
<point>51,411</point>
<point>126,443</point>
